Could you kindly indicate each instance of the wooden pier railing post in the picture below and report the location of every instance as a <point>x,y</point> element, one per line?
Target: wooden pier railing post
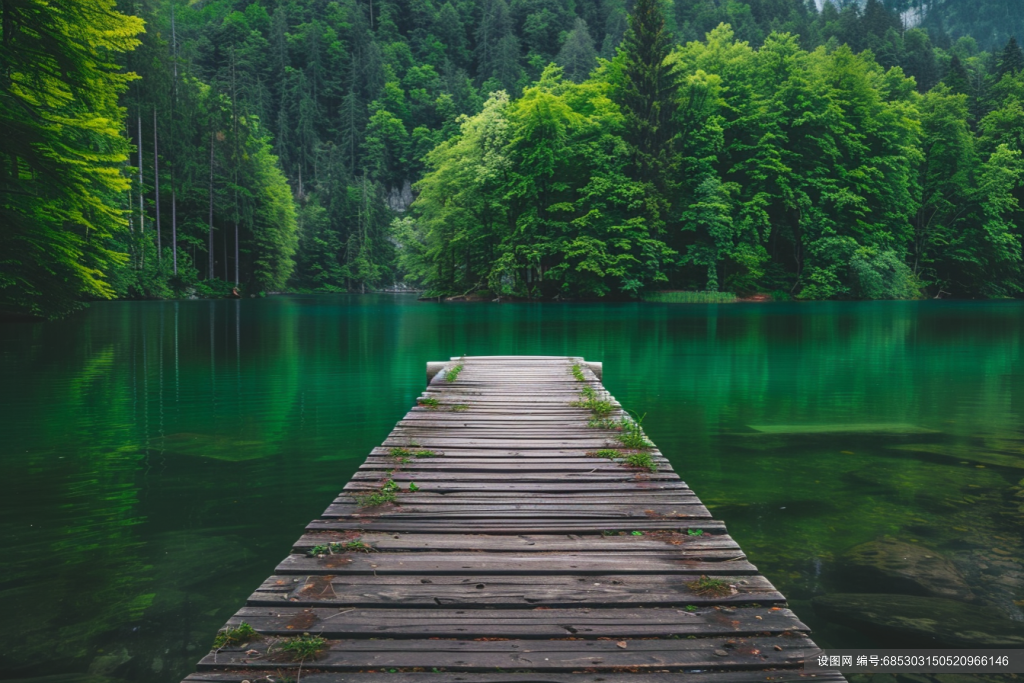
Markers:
<point>514,527</point>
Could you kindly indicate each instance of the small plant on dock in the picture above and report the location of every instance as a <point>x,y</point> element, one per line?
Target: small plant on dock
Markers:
<point>695,532</point>
<point>577,372</point>
<point>638,533</point>
<point>388,493</point>
<point>402,455</point>
<point>413,487</point>
<point>460,408</point>
<point>353,546</point>
<point>589,400</point>
<point>642,460</point>
<point>244,633</point>
<point>431,403</point>
<point>602,423</point>
<point>708,587</point>
<point>357,546</point>
<point>632,435</point>
<point>303,647</point>
<point>424,453</point>
<point>453,374</point>
<point>605,453</point>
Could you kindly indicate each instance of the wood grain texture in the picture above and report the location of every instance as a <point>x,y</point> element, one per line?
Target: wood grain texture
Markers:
<point>510,547</point>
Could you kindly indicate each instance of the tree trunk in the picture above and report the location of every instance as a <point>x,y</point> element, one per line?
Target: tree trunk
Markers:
<point>156,186</point>
<point>142,193</point>
<point>236,236</point>
<point>209,271</point>
<point>174,225</point>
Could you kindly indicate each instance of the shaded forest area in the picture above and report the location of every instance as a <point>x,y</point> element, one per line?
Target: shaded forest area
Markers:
<point>554,148</point>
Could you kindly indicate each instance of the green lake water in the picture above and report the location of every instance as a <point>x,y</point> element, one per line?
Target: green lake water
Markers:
<point>161,457</point>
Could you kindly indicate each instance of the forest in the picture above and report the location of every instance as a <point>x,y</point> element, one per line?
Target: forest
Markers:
<point>541,149</point>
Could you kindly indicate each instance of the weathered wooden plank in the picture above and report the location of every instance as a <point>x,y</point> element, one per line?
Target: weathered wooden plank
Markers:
<point>524,443</point>
<point>524,543</point>
<point>447,461</point>
<point>740,653</point>
<point>583,464</point>
<point>619,474</point>
<point>510,453</point>
<point>501,591</point>
<point>409,500</point>
<point>562,484</point>
<point>518,623</point>
<point>428,563</point>
<point>522,433</point>
<point>513,526</point>
<point>520,510</point>
<point>774,675</point>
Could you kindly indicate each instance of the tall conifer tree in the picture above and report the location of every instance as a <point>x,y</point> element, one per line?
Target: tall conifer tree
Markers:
<point>647,96</point>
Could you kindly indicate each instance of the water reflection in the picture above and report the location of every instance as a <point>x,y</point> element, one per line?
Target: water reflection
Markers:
<point>166,454</point>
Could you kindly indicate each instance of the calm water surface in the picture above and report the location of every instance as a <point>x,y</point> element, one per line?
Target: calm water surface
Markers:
<point>160,457</point>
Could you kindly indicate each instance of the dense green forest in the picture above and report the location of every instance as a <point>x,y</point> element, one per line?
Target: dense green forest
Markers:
<point>530,148</point>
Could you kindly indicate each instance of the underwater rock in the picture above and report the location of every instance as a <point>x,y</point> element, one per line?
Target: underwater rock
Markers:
<point>912,621</point>
<point>214,446</point>
<point>105,664</point>
<point>963,452</point>
<point>67,678</point>
<point>891,566</point>
<point>884,428</point>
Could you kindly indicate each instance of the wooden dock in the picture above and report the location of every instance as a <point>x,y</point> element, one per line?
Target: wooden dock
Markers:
<point>513,554</point>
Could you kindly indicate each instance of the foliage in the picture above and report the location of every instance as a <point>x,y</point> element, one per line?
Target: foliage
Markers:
<point>453,373</point>
<point>705,586</point>
<point>243,633</point>
<point>690,297</point>
<point>751,146</point>
<point>387,493</point>
<point>817,173</point>
<point>303,647</point>
<point>632,436</point>
<point>589,401</point>
<point>346,546</point>
<point>641,460</point>
<point>62,189</point>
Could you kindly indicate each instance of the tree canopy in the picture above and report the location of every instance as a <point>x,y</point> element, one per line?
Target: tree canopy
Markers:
<point>553,149</point>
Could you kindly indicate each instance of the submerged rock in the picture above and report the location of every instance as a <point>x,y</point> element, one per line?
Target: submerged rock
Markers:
<point>912,621</point>
<point>105,664</point>
<point>891,566</point>
<point>963,452</point>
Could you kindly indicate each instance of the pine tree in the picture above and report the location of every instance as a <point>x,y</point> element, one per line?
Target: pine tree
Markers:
<point>648,91</point>
<point>957,78</point>
<point>1011,59</point>
<point>577,56</point>
<point>506,69</point>
<point>877,20</point>
<point>495,26</point>
<point>449,29</point>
